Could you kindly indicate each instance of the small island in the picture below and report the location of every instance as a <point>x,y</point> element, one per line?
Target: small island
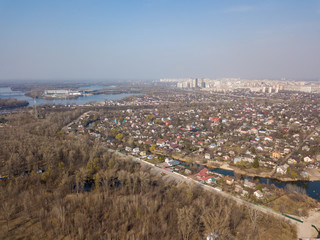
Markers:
<point>12,103</point>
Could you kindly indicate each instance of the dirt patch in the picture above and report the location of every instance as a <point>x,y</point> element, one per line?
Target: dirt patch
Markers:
<point>305,230</point>
<point>293,203</point>
<point>314,174</point>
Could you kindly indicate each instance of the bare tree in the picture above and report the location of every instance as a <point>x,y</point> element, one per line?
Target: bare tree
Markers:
<point>186,221</point>
<point>7,209</point>
<point>254,215</point>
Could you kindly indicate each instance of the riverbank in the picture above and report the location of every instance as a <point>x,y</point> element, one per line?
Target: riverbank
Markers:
<point>39,95</point>
<point>314,174</point>
<point>249,173</point>
<point>81,100</point>
<point>12,103</point>
<point>58,98</point>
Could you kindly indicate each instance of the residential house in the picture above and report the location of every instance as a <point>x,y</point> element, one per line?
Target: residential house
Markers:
<point>258,194</point>
<point>136,150</point>
<point>207,156</point>
<point>229,180</point>
<point>304,174</point>
<point>143,153</point>
<point>245,193</point>
<point>292,161</point>
<point>249,184</point>
<point>238,189</point>
<point>236,160</point>
<point>276,155</point>
<point>307,159</point>
<point>211,180</point>
<point>128,149</point>
<point>282,169</point>
<point>172,162</point>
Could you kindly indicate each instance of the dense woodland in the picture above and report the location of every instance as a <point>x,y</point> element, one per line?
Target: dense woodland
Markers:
<point>85,192</point>
<point>6,103</point>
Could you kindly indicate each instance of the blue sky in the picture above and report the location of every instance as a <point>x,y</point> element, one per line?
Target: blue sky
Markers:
<point>151,39</point>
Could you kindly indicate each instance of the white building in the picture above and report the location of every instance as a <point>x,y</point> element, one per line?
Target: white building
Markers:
<point>172,162</point>
<point>128,149</point>
<point>258,194</point>
<point>282,169</point>
<point>136,150</point>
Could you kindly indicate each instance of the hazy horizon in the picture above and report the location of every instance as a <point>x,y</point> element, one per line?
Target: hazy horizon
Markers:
<point>149,39</point>
<point>7,82</point>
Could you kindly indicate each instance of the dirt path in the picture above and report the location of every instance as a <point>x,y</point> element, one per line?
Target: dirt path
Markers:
<point>305,231</point>
<point>314,174</point>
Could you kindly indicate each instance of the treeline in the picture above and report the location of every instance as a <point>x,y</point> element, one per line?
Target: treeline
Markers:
<point>85,192</point>
<point>12,103</point>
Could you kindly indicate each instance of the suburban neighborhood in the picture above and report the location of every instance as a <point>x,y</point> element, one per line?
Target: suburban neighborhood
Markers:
<point>195,134</point>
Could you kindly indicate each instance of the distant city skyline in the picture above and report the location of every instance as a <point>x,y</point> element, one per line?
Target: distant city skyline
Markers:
<point>153,39</point>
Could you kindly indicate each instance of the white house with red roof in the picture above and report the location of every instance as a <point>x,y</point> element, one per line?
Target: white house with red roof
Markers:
<point>204,176</point>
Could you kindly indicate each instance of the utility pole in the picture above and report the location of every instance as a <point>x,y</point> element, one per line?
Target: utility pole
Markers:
<point>35,108</point>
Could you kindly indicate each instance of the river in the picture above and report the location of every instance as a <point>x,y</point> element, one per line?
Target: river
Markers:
<point>6,92</point>
<point>312,187</point>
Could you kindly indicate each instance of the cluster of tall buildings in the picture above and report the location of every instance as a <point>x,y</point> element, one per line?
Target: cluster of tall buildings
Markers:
<point>231,84</point>
<point>186,82</point>
<point>191,83</point>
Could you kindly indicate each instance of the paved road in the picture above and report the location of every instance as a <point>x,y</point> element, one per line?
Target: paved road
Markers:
<point>77,120</point>
<point>304,230</point>
<point>178,178</point>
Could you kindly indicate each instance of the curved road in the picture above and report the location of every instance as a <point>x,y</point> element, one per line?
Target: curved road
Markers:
<point>304,230</point>
<point>180,178</point>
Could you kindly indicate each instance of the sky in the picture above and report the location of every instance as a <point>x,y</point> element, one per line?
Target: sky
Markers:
<point>152,39</point>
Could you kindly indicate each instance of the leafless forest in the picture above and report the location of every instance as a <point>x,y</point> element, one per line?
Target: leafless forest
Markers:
<point>12,103</point>
<point>61,187</point>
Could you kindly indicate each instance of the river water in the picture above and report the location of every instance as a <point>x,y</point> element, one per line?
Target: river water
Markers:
<point>312,187</point>
<point>6,92</point>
